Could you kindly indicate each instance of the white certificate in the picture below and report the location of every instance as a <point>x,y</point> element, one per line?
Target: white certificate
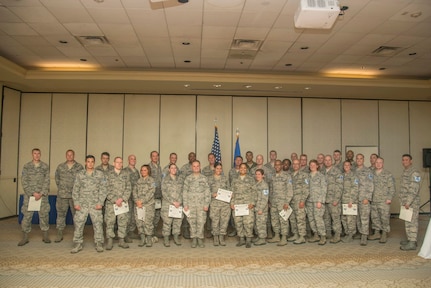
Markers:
<point>175,212</point>
<point>187,213</point>
<point>350,211</point>
<point>406,214</point>
<point>158,204</point>
<point>33,204</point>
<point>285,214</point>
<point>141,213</point>
<point>224,195</point>
<point>121,210</point>
<point>241,210</point>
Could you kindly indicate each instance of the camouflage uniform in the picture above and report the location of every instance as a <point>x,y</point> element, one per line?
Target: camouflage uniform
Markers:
<point>281,194</point>
<point>334,180</point>
<point>171,192</point>
<point>409,194</point>
<point>220,211</point>
<point>384,189</point>
<point>350,195</point>
<point>144,191</point>
<point>185,171</point>
<point>301,190</point>
<point>156,173</point>
<point>89,191</point>
<point>196,196</point>
<point>105,171</point>
<point>35,179</point>
<point>318,191</point>
<point>233,173</point>
<point>134,177</point>
<point>118,187</point>
<point>366,188</point>
<point>268,173</point>
<point>208,171</point>
<point>64,178</point>
<point>262,195</point>
<point>243,193</point>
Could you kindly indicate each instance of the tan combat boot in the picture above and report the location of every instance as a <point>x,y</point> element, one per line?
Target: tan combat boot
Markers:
<point>24,239</point>
<point>275,239</point>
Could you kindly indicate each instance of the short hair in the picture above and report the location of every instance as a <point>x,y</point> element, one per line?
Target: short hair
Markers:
<point>260,170</point>
<point>248,152</point>
<point>105,154</point>
<point>313,161</point>
<point>375,154</point>
<point>211,153</point>
<point>90,157</point>
<point>70,150</point>
<point>35,149</point>
<point>218,164</point>
<point>288,160</point>
<point>118,157</point>
<point>337,151</point>
<point>173,153</point>
<point>196,161</point>
<point>148,168</point>
<point>407,155</point>
<point>173,165</point>
<point>238,157</point>
<point>151,153</point>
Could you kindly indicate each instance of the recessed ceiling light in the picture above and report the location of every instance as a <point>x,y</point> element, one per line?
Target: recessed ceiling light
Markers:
<point>217,85</point>
<point>304,47</point>
<point>307,88</point>
<point>288,64</point>
<point>278,87</point>
<point>247,86</point>
<point>186,85</point>
<point>187,61</point>
<point>412,54</point>
<point>186,43</point>
<point>99,1</point>
<point>63,42</point>
<point>83,59</point>
<point>382,68</point>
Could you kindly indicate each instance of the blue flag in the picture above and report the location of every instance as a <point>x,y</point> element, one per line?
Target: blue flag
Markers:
<point>237,150</point>
<point>216,146</point>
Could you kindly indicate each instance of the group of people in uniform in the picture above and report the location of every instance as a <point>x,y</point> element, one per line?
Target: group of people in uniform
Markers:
<point>290,200</point>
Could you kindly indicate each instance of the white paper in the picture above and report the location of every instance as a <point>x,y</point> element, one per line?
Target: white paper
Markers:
<point>141,213</point>
<point>241,210</point>
<point>158,204</point>
<point>175,212</point>
<point>33,204</point>
<point>187,213</point>
<point>121,210</point>
<point>285,214</point>
<point>224,195</point>
<point>350,211</point>
<point>406,214</point>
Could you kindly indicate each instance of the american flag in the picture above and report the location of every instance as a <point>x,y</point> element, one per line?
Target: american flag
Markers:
<point>216,146</point>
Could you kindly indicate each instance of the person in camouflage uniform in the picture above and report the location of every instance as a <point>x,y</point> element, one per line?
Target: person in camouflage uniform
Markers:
<point>89,193</point>
<point>172,194</point>
<point>143,196</point>
<point>332,215</point>
<point>261,189</point>
<point>35,182</point>
<point>243,193</point>
<point>172,160</point>
<point>156,173</point>
<point>366,188</point>
<point>301,190</point>
<point>318,191</point>
<point>208,170</point>
<point>196,200</point>
<point>119,191</point>
<point>64,177</point>
<point>234,171</point>
<point>409,198</point>
<point>338,161</point>
<point>105,167</point>
<point>249,160</point>
<point>134,177</point>
<point>350,196</point>
<point>384,191</point>
<point>220,211</point>
<point>185,171</point>
<point>281,193</point>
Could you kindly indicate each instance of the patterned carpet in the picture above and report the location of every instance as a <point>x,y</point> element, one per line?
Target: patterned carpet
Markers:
<point>309,265</point>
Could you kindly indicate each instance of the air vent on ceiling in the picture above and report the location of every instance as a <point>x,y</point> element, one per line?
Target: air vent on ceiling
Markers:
<point>245,44</point>
<point>386,51</point>
<point>92,40</point>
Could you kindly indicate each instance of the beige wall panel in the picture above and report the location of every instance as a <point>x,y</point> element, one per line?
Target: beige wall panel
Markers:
<point>420,137</point>
<point>208,109</point>
<point>251,118</point>
<point>9,153</point>
<point>394,139</point>
<point>141,127</point>
<point>35,129</point>
<point>177,127</point>
<point>284,126</point>
<point>359,123</point>
<point>105,125</point>
<point>321,126</point>
<point>68,129</point>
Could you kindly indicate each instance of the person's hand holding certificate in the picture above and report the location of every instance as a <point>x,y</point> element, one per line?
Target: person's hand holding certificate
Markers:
<point>140,213</point>
<point>285,214</point>
<point>406,214</point>
<point>33,204</point>
<point>124,208</point>
<point>241,210</point>
<point>224,195</point>
<point>350,210</point>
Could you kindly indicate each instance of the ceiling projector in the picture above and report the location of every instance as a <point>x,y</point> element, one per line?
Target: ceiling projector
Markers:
<point>316,14</point>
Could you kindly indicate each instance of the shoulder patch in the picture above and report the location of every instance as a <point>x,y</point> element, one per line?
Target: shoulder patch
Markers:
<point>417,178</point>
<point>306,181</point>
<point>356,181</point>
<point>265,192</point>
<point>341,177</point>
<point>370,176</point>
